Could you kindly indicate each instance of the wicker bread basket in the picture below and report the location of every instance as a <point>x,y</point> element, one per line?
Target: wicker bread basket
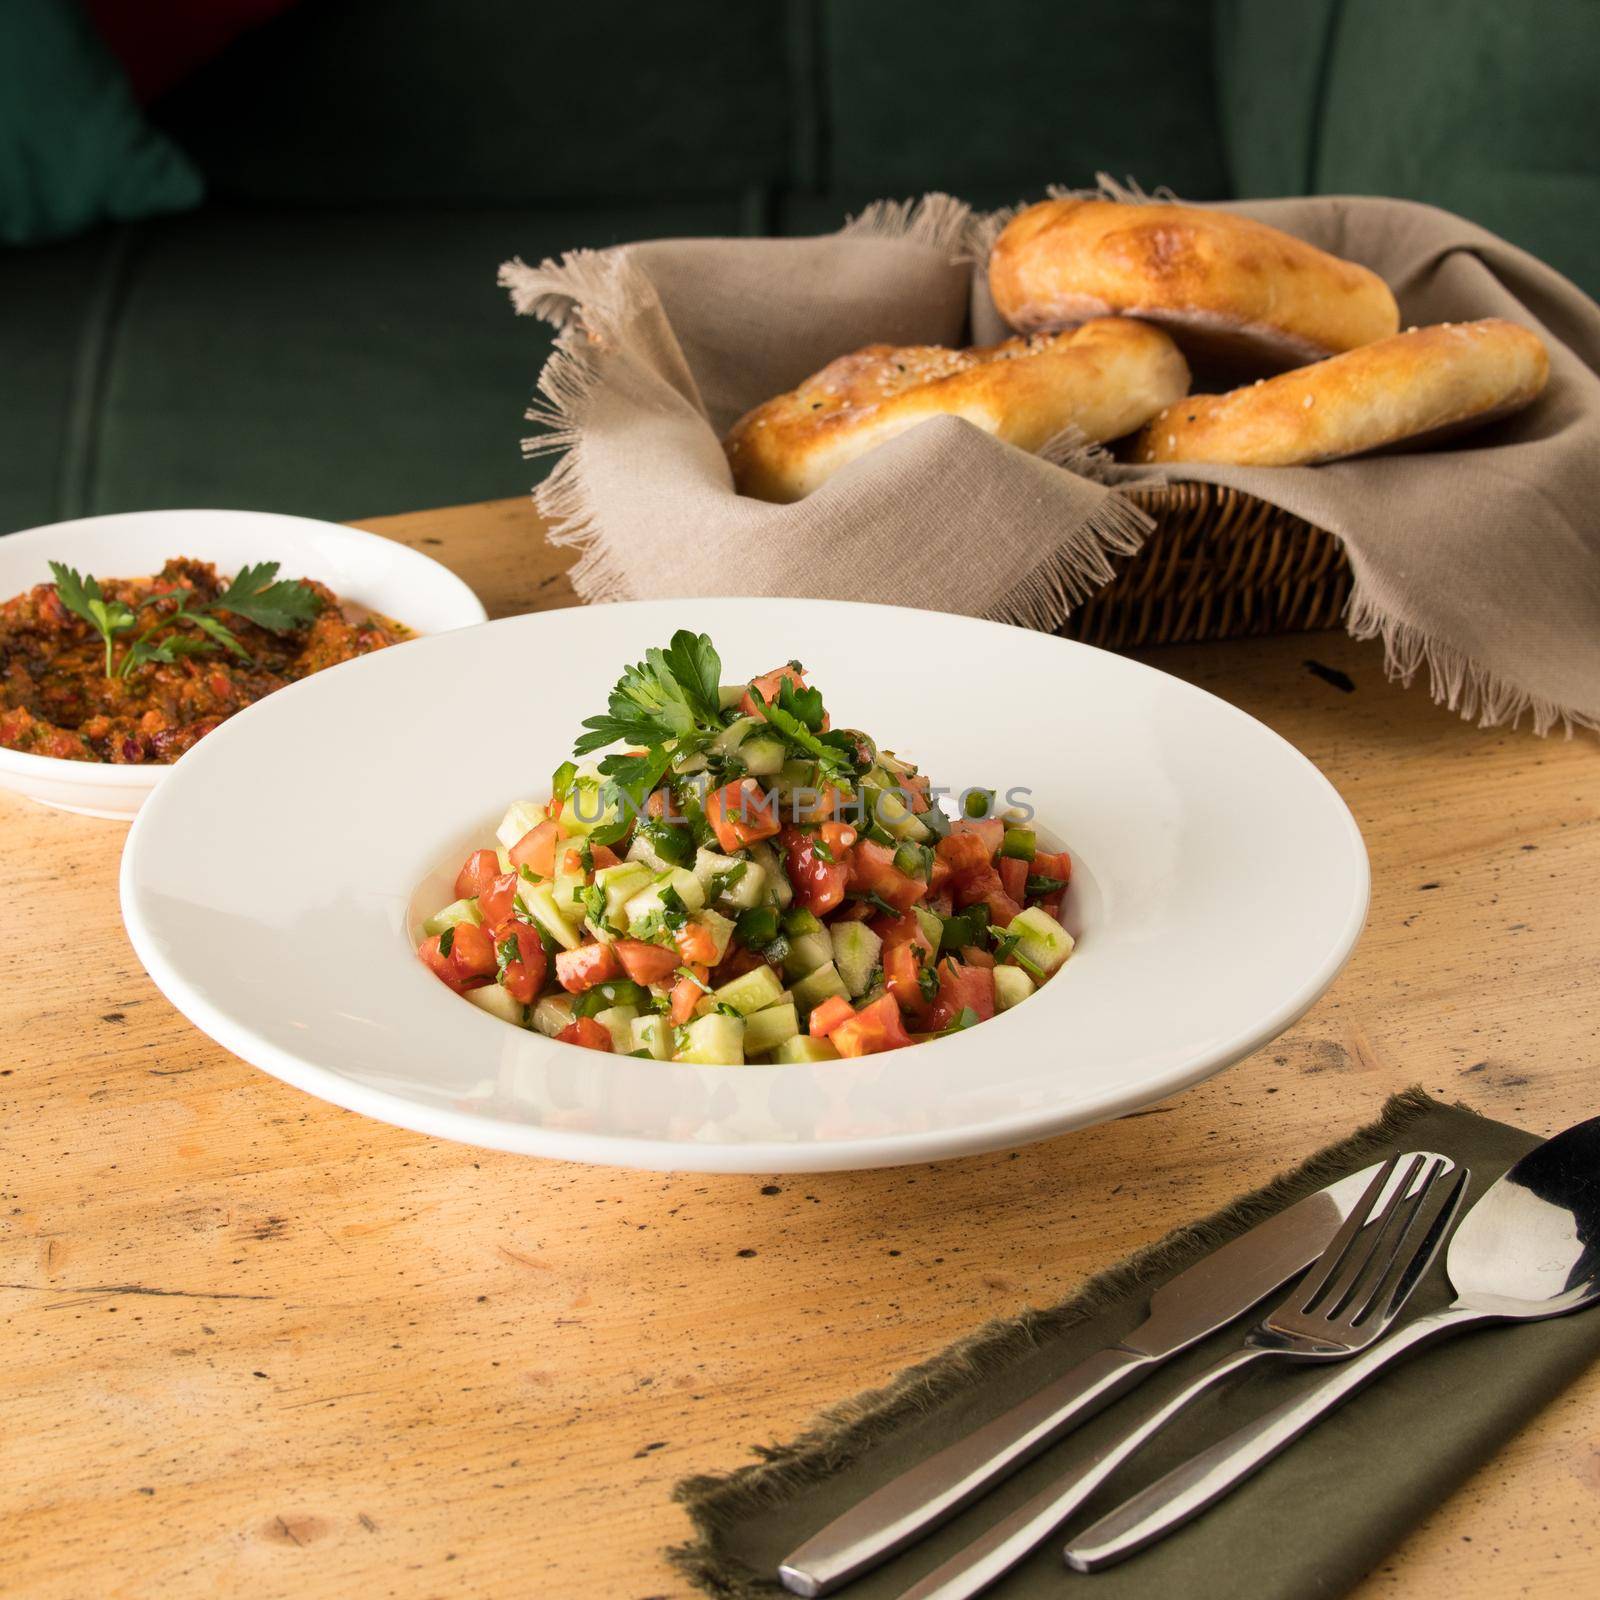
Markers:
<point>1219,565</point>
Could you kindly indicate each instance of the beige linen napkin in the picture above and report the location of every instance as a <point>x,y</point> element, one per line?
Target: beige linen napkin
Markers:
<point>1480,561</point>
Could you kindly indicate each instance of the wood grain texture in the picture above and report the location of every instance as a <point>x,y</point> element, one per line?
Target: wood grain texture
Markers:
<point>252,1344</point>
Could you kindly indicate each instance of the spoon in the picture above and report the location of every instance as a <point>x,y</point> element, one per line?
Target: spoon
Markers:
<point>1529,1249</point>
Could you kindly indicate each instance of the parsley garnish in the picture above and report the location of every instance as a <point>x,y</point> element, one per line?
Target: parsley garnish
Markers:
<point>1043,886</point>
<point>447,941</point>
<point>928,982</point>
<point>256,594</point>
<point>670,694</point>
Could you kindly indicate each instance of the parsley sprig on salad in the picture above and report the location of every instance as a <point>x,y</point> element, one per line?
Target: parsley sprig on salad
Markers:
<point>256,594</point>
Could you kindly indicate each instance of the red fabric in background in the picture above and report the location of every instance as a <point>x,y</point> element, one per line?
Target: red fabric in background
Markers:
<point>160,42</point>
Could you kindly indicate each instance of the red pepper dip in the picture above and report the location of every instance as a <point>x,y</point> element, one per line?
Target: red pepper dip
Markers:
<point>57,700</point>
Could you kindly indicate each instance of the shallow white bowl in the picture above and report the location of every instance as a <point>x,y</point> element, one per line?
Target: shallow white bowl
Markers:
<point>1219,884</point>
<point>373,571</point>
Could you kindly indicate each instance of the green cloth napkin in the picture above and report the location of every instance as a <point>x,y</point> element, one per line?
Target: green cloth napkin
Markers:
<point>1309,1525</point>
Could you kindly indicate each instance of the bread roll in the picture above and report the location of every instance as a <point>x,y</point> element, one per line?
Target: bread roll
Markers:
<point>1416,387</point>
<point>1224,287</point>
<point>1105,378</point>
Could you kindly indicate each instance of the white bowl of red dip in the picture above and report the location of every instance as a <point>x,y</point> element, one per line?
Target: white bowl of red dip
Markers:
<point>78,738</point>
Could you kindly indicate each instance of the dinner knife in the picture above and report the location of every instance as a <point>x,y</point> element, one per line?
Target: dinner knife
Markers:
<point>1197,1302</point>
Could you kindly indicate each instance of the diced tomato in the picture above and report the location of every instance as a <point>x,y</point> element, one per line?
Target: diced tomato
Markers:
<point>1052,865</point>
<point>902,977</point>
<point>872,868</point>
<point>646,963</point>
<point>471,956</point>
<point>961,986</point>
<point>472,950</point>
<point>770,685</point>
<point>525,973</point>
<point>686,995</point>
<point>498,901</point>
<point>975,957</point>
<point>991,830</point>
<point>1051,905</point>
<point>916,786</point>
<point>982,885</point>
<point>819,884</point>
<point>906,929</point>
<point>586,966</point>
<point>536,849</point>
<point>853,911</point>
<point>838,836</point>
<point>736,963</point>
<point>965,848</point>
<point>601,855</point>
<point>697,945</point>
<point>941,905</point>
<point>874,1028</point>
<point>740,814</point>
<point>482,867</point>
<point>521,982</point>
<point>1013,877</point>
<point>588,1033</point>
<point>834,1010</point>
<point>940,875</point>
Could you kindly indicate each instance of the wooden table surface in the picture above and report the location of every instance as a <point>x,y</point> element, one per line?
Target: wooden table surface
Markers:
<point>256,1345</point>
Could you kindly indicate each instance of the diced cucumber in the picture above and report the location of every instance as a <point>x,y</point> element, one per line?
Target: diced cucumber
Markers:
<point>618,1022</point>
<point>1011,987</point>
<point>714,1041</point>
<point>540,899</point>
<point>807,952</point>
<point>735,734</point>
<point>497,1002</point>
<point>620,884</point>
<point>551,1014</point>
<point>453,915</point>
<point>762,755</point>
<point>582,813</point>
<point>503,856</point>
<point>855,954</point>
<point>720,926</point>
<point>815,987</point>
<point>749,879</point>
<point>652,1033</point>
<point>931,923</point>
<point>1044,941</point>
<point>641,852</point>
<point>768,1028</point>
<point>802,1048</point>
<point>894,814</point>
<point>729,695</point>
<point>798,921</point>
<point>778,887</point>
<point>750,992</point>
<point>683,883</point>
<point>521,819</point>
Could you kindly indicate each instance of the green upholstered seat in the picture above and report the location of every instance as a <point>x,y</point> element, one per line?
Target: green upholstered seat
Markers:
<point>324,335</point>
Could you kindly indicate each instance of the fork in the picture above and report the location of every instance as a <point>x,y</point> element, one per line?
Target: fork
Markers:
<point>1347,1299</point>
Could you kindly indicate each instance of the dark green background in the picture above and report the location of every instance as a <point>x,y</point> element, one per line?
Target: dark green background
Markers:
<point>324,335</point>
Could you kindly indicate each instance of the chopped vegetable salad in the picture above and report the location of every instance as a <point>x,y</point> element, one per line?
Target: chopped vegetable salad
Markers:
<point>746,883</point>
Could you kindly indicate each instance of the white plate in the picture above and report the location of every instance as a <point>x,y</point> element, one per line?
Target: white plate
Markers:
<point>373,571</point>
<point>1219,884</point>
